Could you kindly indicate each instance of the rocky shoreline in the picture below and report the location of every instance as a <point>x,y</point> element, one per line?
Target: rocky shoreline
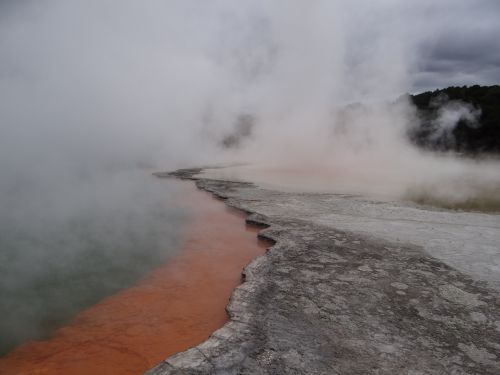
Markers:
<point>329,301</point>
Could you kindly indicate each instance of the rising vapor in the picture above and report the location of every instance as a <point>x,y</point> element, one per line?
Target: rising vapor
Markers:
<point>93,93</point>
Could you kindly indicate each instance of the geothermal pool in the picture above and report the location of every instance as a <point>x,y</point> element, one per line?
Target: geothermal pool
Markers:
<point>174,306</point>
<point>66,246</point>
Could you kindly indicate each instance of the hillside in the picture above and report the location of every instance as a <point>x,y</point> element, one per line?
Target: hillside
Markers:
<point>468,136</point>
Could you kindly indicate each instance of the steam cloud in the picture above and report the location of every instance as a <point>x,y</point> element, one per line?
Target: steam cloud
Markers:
<point>450,113</point>
<point>96,92</point>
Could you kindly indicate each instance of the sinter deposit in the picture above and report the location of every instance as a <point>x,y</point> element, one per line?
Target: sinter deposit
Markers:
<point>356,286</point>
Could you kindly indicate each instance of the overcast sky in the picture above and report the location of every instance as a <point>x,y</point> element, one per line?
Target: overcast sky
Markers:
<point>458,40</point>
<point>460,44</point>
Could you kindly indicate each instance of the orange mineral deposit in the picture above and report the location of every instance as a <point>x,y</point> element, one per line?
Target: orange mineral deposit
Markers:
<point>174,307</point>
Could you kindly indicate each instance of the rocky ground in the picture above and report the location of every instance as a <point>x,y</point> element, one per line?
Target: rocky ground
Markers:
<point>328,298</point>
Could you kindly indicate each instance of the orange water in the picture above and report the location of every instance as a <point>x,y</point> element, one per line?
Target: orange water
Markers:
<point>174,307</point>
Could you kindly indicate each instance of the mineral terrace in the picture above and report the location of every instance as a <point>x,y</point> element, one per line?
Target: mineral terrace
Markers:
<point>353,286</point>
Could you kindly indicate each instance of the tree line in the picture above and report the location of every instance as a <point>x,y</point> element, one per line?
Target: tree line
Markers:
<point>466,136</point>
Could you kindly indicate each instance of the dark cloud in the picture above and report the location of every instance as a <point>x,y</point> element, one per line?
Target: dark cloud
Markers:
<point>459,45</point>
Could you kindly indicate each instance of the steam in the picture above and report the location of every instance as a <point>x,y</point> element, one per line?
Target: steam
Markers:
<point>449,114</point>
<point>95,95</point>
<point>243,128</point>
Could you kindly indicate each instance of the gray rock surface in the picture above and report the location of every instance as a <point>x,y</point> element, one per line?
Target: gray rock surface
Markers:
<point>329,301</point>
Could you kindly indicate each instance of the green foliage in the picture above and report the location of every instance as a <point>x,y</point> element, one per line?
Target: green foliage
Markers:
<point>482,138</point>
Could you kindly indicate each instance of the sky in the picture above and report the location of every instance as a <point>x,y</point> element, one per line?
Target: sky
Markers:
<point>460,45</point>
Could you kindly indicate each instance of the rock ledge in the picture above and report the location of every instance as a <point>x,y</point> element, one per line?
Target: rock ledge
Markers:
<point>325,301</point>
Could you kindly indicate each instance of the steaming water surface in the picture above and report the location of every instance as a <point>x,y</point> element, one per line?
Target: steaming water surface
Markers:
<point>64,249</point>
<point>449,183</point>
<point>174,307</point>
